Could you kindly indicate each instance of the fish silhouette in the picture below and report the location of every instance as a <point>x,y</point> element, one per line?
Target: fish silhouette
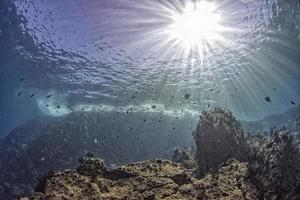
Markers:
<point>268,99</point>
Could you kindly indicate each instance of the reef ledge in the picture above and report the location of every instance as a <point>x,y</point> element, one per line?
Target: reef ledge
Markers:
<point>245,167</point>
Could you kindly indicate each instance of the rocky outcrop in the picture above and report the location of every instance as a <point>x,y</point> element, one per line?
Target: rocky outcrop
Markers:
<point>218,137</point>
<point>184,157</point>
<point>276,169</point>
<point>231,165</point>
<point>40,145</point>
<point>153,179</point>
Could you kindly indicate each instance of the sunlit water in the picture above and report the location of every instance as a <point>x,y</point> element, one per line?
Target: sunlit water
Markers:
<point>59,57</point>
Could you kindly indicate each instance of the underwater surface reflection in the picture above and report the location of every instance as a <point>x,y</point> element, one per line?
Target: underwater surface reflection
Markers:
<point>128,80</point>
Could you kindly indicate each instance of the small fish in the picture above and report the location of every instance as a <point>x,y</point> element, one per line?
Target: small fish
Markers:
<point>73,109</point>
<point>21,79</point>
<point>208,106</point>
<point>58,107</point>
<point>268,99</point>
<point>292,102</point>
<point>47,105</point>
<point>19,94</point>
<point>49,96</point>
<point>32,95</point>
<point>187,96</point>
<point>153,106</point>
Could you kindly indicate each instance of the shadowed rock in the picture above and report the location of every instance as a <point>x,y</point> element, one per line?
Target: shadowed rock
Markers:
<point>150,180</point>
<point>276,169</point>
<point>271,172</point>
<point>184,157</point>
<point>218,138</point>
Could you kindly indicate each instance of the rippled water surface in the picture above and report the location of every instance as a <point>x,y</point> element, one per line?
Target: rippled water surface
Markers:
<point>57,57</point>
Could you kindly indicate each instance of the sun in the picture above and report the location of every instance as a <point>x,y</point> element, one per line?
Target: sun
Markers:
<point>198,27</point>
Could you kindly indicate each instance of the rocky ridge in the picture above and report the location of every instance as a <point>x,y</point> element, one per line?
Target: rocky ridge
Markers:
<point>270,171</point>
<point>152,179</point>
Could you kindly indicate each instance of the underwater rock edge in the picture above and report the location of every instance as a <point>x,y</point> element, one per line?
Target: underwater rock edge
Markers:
<point>265,175</point>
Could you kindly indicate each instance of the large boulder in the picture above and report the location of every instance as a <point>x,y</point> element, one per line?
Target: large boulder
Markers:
<point>218,137</point>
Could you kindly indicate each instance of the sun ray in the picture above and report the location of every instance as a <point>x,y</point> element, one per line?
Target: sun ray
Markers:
<point>197,27</point>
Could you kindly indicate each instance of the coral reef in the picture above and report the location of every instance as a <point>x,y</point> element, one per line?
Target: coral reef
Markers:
<point>40,145</point>
<point>218,137</point>
<point>153,179</point>
<point>230,182</point>
<point>271,170</point>
<point>276,169</point>
<point>230,165</point>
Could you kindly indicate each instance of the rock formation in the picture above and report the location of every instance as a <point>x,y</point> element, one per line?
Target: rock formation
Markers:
<point>149,180</point>
<point>184,157</point>
<point>218,138</point>
<point>276,169</point>
<point>40,145</point>
<point>235,166</point>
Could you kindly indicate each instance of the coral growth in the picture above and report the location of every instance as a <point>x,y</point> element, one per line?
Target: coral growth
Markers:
<point>218,137</point>
<point>276,169</point>
<point>153,179</point>
<point>34,148</point>
<point>271,169</point>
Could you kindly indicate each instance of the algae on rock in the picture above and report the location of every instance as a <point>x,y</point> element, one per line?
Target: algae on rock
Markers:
<point>219,137</point>
<point>230,168</point>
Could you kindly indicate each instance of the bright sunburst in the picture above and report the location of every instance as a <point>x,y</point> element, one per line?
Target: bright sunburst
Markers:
<point>198,27</point>
<point>189,30</point>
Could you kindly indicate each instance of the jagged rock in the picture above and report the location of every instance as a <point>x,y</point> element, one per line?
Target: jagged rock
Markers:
<point>230,182</point>
<point>184,157</point>
<point>272,170</point>
<point>276,170</point>
<point>91,167</point>
<point>218,138</point>
<point>153,179</point>
<point>40,145</point>
<point>274,165</point>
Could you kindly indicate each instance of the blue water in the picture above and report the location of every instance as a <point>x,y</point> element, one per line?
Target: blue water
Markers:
<point>106,56</point>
